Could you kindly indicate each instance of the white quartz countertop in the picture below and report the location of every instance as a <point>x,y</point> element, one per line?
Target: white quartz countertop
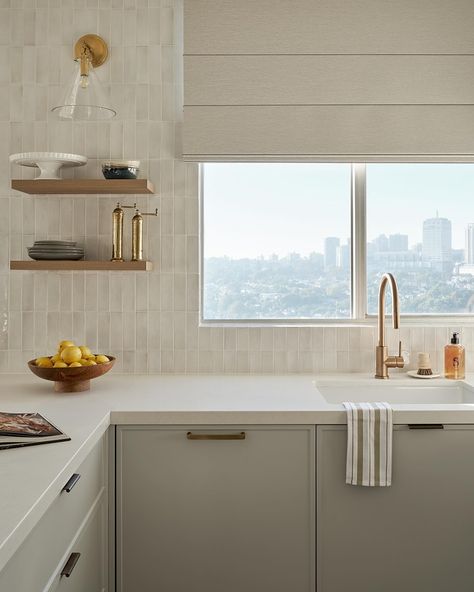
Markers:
<point>32,477</point>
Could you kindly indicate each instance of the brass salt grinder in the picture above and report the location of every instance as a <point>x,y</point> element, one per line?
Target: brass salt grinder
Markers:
<point>137,233</point>
<point>117,231</point>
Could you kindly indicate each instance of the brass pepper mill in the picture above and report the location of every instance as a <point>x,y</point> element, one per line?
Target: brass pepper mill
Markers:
<point>137,233</point>
<point>117,232</point>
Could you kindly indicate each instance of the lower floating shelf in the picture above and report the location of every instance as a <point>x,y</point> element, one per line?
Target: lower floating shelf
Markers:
<point>82,265</point>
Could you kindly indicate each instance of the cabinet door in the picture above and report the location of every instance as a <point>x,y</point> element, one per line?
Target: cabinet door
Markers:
<point>214,515</point>
<point>415,536</point>
<point>89,572</point>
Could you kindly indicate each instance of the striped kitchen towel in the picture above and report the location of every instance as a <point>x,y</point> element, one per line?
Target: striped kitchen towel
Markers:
<point>369,444</point>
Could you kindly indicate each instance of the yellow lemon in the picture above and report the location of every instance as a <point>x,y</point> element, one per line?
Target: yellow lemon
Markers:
<point>65,343</point>
<point>56,358</point>
<point>71,354</point>
<point>59,365</point>
<point>86,352</point>
<point>90,363</point>
<point>82,362</point>
<point>101,359</point>
<point>44,363</point>
<point>75,365</point>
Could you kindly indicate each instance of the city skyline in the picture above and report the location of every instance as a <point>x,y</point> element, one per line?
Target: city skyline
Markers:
<point>435,246</point>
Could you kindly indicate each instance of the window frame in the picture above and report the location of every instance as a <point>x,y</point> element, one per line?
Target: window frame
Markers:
<point>359,315</point>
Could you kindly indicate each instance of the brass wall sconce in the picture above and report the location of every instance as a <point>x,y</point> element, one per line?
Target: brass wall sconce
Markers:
<point>84,98</point>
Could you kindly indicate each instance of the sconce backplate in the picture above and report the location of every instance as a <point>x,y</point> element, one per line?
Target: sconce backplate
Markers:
<point>97,47</point>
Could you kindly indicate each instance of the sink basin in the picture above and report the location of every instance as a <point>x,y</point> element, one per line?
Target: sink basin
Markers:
<point>397,394</point>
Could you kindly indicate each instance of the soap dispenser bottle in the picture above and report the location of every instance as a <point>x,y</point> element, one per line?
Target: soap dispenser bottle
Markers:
<point>454,359</point>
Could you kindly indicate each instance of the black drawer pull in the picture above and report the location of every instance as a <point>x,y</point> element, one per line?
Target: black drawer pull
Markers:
<point>72,481</point>
<point>425,426</point>
<point>70,564</point>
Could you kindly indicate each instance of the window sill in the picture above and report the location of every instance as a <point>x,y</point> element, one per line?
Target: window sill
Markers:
<point>406,321</point>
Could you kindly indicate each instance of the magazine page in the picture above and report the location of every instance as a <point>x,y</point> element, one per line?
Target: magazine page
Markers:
<point>26,425</point>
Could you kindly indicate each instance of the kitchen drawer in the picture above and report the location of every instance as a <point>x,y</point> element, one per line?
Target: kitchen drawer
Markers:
<point>32,565</point>
<point>88,572</point>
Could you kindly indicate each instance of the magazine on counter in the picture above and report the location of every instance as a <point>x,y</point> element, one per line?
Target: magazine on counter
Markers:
<point>27,429</point>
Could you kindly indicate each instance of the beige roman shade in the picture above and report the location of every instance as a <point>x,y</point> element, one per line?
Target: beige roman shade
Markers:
<point>360,80</point>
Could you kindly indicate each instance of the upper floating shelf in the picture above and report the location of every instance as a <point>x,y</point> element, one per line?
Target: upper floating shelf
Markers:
<point>83,186</point>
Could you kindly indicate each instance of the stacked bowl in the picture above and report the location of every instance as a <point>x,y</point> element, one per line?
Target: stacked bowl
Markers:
<point>55,250</point>
<point>121,169</point>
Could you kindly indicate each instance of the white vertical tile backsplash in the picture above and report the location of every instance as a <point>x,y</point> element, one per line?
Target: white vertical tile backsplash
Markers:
<point>149,321</point>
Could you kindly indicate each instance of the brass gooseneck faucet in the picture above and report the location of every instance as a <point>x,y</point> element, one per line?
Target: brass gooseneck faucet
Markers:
<point>382,360</point>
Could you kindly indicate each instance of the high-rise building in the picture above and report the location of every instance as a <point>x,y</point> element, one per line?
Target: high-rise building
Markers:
<point>398,243</point>
<point>331,244</point>
<point>469,250</point>
<point>343,255</point>
<point>437,241</point>
<point>381,243</point>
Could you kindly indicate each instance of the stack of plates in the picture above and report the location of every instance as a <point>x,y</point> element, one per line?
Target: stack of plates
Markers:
<point>52,249</point>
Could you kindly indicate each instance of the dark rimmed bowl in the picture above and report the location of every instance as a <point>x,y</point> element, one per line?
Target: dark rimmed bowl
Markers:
<point>115,172</point>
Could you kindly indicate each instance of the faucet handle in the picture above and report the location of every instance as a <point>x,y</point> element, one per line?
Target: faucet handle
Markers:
<point>404,354</point>
<point>398,361</point>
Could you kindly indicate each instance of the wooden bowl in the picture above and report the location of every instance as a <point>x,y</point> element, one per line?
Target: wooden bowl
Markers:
<point>71,380</point>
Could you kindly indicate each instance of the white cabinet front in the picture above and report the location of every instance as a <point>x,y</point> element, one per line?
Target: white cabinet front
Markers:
<point>214,509</point>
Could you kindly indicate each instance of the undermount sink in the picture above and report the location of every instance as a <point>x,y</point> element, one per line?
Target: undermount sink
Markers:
<point>397,394</point>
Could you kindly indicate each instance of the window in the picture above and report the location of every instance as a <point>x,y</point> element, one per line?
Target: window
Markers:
<point>277,241</point>
<point>420,226</point>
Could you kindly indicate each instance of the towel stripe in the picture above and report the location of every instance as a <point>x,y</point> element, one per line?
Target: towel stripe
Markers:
<point>369,444</point>
<point>377,446</point>
<point>360,445</point>
<point>350,445</point>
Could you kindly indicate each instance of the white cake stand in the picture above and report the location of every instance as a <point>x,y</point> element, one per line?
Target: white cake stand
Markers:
<point>48,163</point>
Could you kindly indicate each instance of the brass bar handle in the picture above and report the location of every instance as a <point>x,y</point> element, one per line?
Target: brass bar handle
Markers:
<point>239,436</point>
<point>72,481</point>
<point>70,564</point>
<point>425,426</point>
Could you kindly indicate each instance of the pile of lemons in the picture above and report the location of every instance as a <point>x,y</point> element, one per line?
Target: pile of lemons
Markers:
<point>70,355</point>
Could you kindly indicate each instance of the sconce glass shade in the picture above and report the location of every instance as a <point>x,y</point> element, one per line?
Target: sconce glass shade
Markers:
<point>84,98</point>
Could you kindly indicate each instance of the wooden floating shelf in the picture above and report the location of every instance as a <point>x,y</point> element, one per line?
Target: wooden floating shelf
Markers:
<point>82,265</point>
<point>83,186</point>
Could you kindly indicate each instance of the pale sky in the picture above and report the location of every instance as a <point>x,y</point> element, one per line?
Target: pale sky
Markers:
<point>264,208</point>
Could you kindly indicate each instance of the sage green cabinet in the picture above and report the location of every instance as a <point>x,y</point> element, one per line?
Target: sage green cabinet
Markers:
<point>214,515</point>
<point>415,536</point>
<point>76,521</point>
<point>89,573</point>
